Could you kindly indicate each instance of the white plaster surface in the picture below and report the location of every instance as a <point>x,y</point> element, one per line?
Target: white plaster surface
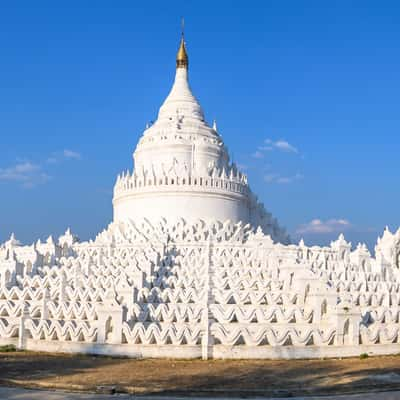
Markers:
<point>182,170</point>
<point>193,266</point>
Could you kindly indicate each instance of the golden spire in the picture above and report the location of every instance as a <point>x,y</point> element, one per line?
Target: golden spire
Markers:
<point>182,59</point>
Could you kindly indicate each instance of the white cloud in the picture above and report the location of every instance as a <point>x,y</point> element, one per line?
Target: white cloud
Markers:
<point>271,145</point>
<point>270,177</point>
<point>25,173</point>
<point>328,226</point>
<point>265,148</point>
<point>29,174</point>
<point>281,145</point>
<point>52,160</point>
<point>258,154</point>
<point>71,154</point>
<point>284,179</point>
<point>60,156</point>
<point>277,178</point>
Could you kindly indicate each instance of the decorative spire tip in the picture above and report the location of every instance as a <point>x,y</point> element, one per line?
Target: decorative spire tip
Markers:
<point>182,59</point>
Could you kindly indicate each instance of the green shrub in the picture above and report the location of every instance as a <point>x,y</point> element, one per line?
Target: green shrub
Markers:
<point>7,348</point>
<point>363,356</point>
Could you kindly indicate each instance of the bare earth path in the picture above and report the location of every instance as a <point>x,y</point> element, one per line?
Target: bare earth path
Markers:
<point>28,394</point>
<point>217,378</point>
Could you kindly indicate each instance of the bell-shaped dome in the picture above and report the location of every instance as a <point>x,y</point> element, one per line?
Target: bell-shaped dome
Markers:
<point>181,101</point>
<point>180,135</point>
<point>182,168</point>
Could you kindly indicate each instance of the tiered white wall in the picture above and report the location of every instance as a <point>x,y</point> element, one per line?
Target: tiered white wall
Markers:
<point>205,289</point>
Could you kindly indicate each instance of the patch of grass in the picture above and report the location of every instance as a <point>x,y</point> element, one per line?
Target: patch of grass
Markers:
<point>7,348</point>
<point>363,356</point>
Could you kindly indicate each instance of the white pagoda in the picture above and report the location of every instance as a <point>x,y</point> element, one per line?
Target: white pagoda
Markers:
<point>193,266</point>
<point>182,169</point>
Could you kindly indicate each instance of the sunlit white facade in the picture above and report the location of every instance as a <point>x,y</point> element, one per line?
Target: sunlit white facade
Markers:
<point>193,266</point>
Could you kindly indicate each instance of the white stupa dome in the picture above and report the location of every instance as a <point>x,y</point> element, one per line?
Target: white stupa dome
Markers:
<point>182,169</point>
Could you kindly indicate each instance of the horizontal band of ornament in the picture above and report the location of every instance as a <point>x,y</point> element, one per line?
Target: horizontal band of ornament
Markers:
<point>203,184</point>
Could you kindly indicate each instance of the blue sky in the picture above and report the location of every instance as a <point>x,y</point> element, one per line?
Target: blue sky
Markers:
<point>305,93</point>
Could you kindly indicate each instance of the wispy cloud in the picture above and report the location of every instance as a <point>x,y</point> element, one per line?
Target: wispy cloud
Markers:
<point>328,226</point>
<point>265,148</point>
<point>281,145</point>
<point>29,174</point>
<point>277,178</point>
<point>72,154</point>
<point>66,154</point>
<point>258,154</point>
<point>25,173</point>
<point>271,145</point>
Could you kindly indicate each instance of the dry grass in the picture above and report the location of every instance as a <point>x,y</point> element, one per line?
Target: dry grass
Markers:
<point>297,377</point>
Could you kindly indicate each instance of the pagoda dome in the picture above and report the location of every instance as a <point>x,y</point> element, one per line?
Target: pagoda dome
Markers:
<point>182,168</point>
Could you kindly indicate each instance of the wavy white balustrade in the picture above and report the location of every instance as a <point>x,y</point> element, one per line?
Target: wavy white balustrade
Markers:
<point>144,288</point>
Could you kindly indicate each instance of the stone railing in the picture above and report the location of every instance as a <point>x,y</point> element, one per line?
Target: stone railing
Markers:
<point>129,184</point>
<point>195,295</point>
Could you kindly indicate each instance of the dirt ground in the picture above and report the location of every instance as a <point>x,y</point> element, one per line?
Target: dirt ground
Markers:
<point>234,377</point>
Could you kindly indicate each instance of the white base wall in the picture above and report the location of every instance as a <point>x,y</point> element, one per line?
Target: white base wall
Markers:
<point>214,352</point>
<point>176,205</point>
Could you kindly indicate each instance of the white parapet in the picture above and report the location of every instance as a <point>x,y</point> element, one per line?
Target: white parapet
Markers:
<point>203,289</point>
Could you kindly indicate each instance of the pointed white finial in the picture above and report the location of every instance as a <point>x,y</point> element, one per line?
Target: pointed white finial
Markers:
<point>215,125</point>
